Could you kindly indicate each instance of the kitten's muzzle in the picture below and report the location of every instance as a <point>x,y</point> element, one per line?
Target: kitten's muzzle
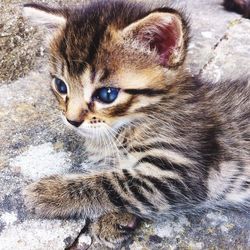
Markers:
<point>75,123</point>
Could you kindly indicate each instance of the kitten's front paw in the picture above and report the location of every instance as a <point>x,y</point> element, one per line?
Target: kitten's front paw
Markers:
<point>114,228</point>
<point>47,198</point>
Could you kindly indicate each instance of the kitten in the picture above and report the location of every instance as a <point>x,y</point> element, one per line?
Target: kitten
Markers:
<point>239,6</point>
<point>168,140</point>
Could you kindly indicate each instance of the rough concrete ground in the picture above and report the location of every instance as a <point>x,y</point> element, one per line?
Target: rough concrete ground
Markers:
<point>35,143</point>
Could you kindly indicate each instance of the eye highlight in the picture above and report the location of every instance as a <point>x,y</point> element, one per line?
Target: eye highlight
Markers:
<point>60,85</point>
<point>106,94</point>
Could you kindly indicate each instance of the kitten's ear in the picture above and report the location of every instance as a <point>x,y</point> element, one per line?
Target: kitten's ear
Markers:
<point>48,17</point>
<point>162,32</point>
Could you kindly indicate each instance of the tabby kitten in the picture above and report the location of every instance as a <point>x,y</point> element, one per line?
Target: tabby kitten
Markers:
<point>167,141</point>
<point>239,6</point>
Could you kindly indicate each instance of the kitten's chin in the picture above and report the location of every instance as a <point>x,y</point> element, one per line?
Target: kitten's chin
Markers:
<point>91,133</point>
<point>98,133</point>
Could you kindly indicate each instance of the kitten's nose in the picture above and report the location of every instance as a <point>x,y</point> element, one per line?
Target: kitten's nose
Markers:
<point>75,123</point>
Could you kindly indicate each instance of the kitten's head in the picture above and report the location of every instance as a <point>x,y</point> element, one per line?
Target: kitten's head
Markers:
<point>112,61</point>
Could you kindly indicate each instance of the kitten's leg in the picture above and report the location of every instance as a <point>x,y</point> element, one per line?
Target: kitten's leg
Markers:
<point>142,192</point>
<point>69,196</point>
<point>113,228</point>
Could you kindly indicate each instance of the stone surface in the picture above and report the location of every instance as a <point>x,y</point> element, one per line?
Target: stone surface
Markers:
<point>35,143</point>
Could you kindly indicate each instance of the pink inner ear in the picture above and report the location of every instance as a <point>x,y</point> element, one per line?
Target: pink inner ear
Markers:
<point>164,38</point>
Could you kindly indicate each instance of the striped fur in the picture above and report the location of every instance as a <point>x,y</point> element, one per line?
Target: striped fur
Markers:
<point>169,142</point>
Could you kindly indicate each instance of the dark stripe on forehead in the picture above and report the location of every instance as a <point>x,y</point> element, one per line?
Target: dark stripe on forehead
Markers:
<point>95,43</point>
<point>92,49</point>
<point>62,50</point>
<point>62,69</point>
<point>105,75</point>
<point>93,73</point>
<point>53,63</point>
<point>80,43</point>
<point>146,92</point>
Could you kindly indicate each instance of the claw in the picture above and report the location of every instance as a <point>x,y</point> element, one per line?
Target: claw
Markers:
<point>131,226</point>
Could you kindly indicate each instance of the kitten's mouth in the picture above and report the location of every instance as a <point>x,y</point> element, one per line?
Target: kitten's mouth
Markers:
<point>97,131</point>
<point>89,130</point>
<point>94,132</point>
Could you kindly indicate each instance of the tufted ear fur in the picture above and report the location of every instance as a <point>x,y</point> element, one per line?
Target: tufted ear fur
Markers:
<point>162,32</point>
<point>51,18</point>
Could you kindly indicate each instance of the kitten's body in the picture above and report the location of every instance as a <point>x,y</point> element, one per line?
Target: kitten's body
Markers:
<point>208,146</point>
<point>239,6</point>
<point>168,142</point>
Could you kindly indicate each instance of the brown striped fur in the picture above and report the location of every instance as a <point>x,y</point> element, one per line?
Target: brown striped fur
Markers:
<point>168,142</point>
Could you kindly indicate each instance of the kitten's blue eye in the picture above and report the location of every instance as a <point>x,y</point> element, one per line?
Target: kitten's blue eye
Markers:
<point>61,86</point>
<point>106,95</point>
